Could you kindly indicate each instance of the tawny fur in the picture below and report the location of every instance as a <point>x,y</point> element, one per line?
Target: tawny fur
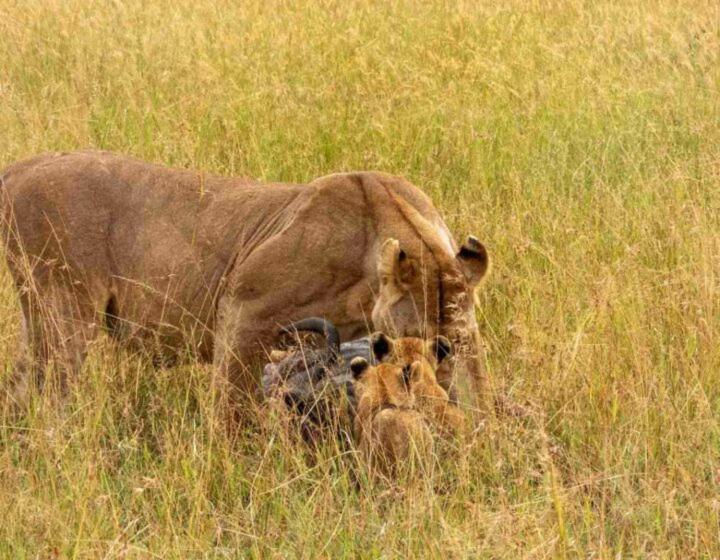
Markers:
<point>433,401</point>
<point>391,435</point>
<point>422,358</point>
<point>183,263</point>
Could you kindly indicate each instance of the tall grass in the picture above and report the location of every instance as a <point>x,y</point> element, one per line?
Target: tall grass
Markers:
<point>579,140</point>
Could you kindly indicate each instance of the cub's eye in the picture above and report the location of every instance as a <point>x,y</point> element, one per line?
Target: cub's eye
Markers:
<point>406,370</point>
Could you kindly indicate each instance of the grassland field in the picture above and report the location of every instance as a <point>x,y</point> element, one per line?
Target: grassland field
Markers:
<point>579,140</point>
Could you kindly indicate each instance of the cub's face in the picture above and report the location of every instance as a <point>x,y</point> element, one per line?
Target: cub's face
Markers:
<point>410,365</point>
<point>379,387</point>
<point>406,351</point>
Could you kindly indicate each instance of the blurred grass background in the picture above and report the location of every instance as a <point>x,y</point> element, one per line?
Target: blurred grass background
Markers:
<point>579,140</point>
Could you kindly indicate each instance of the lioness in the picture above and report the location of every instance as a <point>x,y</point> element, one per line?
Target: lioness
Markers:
<point>188,264</point>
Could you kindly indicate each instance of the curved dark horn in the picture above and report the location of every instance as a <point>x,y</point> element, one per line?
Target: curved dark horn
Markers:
<point>320,326</point>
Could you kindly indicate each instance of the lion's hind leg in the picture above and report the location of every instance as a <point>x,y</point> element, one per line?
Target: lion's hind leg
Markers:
<point>57,324</point>
<point>18,387</point>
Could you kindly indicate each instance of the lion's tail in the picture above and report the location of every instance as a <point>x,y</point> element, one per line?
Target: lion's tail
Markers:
<point>320,326</point>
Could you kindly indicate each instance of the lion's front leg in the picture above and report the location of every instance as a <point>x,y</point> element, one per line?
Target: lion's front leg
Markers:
<point>237,352</point>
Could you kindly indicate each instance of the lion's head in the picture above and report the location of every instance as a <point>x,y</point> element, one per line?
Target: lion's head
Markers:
<point>422,293</point>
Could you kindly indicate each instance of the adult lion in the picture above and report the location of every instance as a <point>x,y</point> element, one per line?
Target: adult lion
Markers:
<point>184,263</point>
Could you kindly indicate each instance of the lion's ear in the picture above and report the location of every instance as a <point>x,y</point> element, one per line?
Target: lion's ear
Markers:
<point>474,260</point>
<point>381,345</point>
<point>358,366</point>
<point>395,266</point>
<point>440,348</point>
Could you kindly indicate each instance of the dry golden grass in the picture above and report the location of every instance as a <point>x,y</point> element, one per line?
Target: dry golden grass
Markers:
<point>579,140</point>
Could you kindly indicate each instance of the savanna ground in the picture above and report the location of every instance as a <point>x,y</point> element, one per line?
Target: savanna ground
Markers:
<point>579,140</point>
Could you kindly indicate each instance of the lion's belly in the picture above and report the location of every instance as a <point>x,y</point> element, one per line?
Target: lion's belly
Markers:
<point>166,300</point>
<point>167,327</point>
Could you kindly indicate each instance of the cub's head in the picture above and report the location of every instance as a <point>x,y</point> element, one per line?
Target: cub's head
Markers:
<point>420,294</point>
<point>383,386</point>
<point>405,351</point>
<point>418,361</point>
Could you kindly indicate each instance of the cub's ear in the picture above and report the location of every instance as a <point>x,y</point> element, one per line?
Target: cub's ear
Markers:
<point>440,348</point>
<point>474,260</point>
<point>381,345</point>
<point>358,366</point>
<point>395,267</point>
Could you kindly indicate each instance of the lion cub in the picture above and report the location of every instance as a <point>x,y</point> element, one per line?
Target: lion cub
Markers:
<point>420,359</point>
<point>392,436</point>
